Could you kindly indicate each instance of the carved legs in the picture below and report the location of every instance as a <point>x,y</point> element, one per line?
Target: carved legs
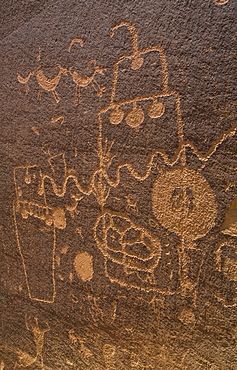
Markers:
<point>77,95</point>
<point>56,96</point>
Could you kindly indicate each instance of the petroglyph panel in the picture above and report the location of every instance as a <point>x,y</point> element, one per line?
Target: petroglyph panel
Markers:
<point>118,229</point>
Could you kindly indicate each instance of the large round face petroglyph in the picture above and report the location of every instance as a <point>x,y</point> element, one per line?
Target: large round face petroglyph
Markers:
<point>184,202</point>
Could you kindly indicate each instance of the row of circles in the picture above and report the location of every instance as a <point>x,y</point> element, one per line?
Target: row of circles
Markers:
<point>135,116</point>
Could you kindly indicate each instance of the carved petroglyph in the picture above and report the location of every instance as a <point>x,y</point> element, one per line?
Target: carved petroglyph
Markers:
<point>60,119</point>
<point>156,109</point>
<point>39,334</point>
<point>25,80</point>
<point>24,359</point>
<point>217,142</point>
<point>45,83</point>
<point>79,232</point>
<point>55,216</point>
<point>220,2</point>
<point>35,130</point>
<point>83,264</point>
<point>65,175</point>
<point>45,149</point>
<point>38,58</point>
<point>31,178</point>
<point>129,246</point>
<point>35,224</point>
<point>131,203</point>
<point>107,157</point>
<point>135,116</point>
<point>49,83</point>
<point>84,81</point>
<point>182,200</point>
<point>74,41</point>
<point>64,249</point>
<point>84,349</point>
<point>137,60</point>
<point>73,208</point>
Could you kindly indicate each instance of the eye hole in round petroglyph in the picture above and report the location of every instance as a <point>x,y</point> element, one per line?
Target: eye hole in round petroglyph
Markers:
<point>182,199</point>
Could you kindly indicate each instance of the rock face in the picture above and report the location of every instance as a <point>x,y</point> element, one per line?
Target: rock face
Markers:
<point>118,185</point>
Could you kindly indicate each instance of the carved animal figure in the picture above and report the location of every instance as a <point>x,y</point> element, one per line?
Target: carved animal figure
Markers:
<point>49,83</point>
<point>131,204</point>
<point>25,80</point>
<point>84,81</point>
<point>24,359</point>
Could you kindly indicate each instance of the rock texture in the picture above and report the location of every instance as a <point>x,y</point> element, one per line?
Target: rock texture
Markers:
<point>118,221</point>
